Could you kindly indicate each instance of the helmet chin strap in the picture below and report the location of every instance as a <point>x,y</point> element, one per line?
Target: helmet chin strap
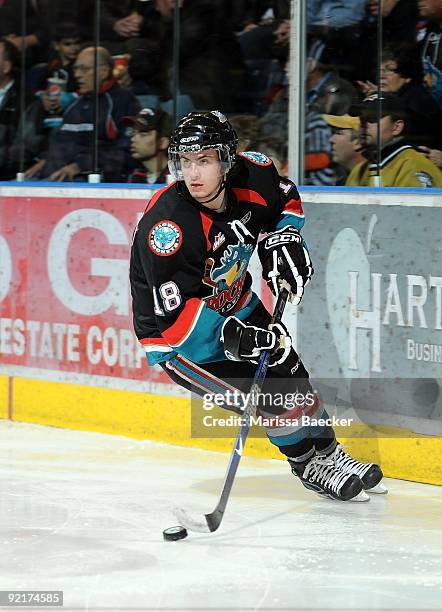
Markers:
<point>221,186</point>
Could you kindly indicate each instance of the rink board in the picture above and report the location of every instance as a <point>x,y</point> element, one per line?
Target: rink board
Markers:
<point>69,358</point>
<point>401,453</point>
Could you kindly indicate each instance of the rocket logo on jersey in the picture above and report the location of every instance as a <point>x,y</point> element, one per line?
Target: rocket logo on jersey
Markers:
<point>228,278</point>
<point>165,238</point>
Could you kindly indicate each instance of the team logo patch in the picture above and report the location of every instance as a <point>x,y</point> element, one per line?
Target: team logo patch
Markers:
<point>165,238</point>
<point>424,179</point>
<point>257,158</point>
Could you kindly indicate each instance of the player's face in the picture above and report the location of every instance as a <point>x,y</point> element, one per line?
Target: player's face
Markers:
<point>202,173</point>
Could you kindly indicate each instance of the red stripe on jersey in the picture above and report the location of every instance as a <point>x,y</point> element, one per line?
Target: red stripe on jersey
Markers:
<point>155,197</point>
<point>207,224</point>
<point>294,206</point>
<point>248,195</point>
<point>176,333</point>
<point>204,374</point>
<point>159,341</point>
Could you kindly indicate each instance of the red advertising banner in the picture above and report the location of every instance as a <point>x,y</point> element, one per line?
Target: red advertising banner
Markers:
<point>64,286</point>
<point>65,303</point>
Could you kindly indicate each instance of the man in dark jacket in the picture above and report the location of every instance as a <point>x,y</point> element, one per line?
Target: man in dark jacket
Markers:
<point>9,107</point>
<point>70,148</point>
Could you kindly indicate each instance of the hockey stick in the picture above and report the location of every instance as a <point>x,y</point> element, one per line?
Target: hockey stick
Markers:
<point>213,520</point>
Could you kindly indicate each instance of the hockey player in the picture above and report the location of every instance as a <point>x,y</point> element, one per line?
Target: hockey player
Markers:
<point>194,311</point>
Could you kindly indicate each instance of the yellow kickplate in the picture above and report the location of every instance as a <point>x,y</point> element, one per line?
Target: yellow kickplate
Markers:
<point>401,453</point>
<point>4,397</point>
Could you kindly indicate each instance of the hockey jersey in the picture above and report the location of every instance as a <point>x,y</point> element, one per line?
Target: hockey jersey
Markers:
<point>188,266</point>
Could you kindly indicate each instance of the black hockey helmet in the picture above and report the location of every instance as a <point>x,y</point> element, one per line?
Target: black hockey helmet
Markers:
<point>203,130</point>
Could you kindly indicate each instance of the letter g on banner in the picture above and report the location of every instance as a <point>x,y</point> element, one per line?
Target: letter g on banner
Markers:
<point>5,268</point>
<point>116,294</point>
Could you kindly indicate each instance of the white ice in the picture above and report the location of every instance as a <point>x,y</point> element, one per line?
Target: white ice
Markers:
<point>84,513</point>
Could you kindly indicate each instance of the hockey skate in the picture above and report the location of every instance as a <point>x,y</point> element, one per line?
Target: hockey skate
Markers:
<point>369,473</point>
<point>321,475</point>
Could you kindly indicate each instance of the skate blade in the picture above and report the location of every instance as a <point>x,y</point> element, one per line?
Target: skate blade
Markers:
<point>360,497</point>
<point>379,489</point>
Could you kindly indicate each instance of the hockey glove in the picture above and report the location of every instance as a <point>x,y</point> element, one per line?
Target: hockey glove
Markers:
<point>246,342</point>
<point>285,262</point>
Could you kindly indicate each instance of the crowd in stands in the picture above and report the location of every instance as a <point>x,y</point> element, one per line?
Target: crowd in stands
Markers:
<point>362,119</point>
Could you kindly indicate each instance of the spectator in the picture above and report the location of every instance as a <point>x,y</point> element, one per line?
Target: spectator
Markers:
<point>276,149</point>
<point>346,146</point>
<point>10,27</point>
<point>400,164</point>
<point>248,14</point>
<point>70,148</point>
<point>399,19</point>
<point>268,36</point>
<point>211,67</point>
<point>327,92</point>
<point>9,107</point>
<point>149,143</point>
<point>402,74</point>
<point>122,23</point>
<point>66,46</point>
<point>246,128</point>
<point>434,155</point>
<point>208,47</point>
<point>338,24</point>
<point>274,124</point>
<point>318,151</point>
<point>432,46</point>
<point>56,86</point>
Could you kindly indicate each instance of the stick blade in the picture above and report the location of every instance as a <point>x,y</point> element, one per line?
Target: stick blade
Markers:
<point>214,519</point>
<point>190,523</point>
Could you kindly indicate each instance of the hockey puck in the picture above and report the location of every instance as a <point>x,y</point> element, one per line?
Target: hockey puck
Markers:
<point>175,533</point>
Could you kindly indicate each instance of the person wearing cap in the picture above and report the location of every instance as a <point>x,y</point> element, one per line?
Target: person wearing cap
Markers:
<point>346,147</point>
<point>148,146</point>
<point>400,164</point>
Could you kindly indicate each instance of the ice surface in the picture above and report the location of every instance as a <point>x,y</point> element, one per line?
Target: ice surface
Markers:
<point>84,513</point>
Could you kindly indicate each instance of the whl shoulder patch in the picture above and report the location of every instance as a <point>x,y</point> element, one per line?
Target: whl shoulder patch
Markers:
<point>165,238</point>
<point>257,158</point>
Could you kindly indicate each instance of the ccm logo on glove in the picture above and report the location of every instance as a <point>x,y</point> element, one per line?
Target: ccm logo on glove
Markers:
<point>275,239</point>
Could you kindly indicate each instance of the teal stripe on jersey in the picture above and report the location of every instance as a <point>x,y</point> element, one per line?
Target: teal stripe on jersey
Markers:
<point>204,345</point>
<point>159,356</point>
<point>288,218</point>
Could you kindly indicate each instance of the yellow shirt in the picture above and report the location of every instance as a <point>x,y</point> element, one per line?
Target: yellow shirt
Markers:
<point>403,167</point>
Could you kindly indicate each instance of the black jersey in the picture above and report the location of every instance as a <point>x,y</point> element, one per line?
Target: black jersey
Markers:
<point>188,266</point>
